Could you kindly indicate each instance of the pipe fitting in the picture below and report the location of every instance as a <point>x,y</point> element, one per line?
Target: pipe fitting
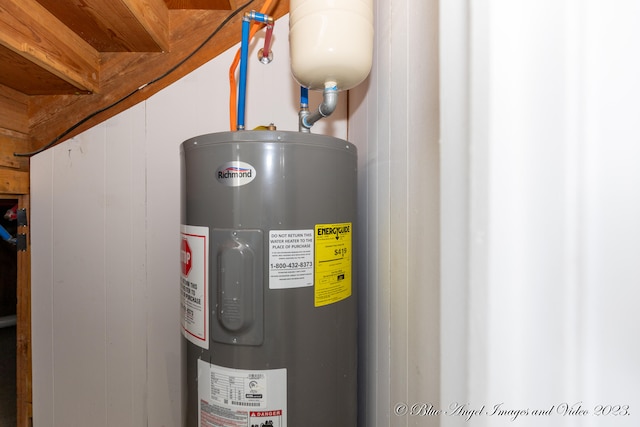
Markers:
<point>302,117</point>
<point>325,109</point>
<point>257,16</point>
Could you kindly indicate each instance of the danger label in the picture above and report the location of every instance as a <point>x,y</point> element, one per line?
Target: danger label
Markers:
<point>332,263</point>
<point>193,283</point>
<point>290,258</point>
<point>266,419</point>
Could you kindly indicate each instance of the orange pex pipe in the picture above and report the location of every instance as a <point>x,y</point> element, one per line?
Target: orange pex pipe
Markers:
<point>233,86</point>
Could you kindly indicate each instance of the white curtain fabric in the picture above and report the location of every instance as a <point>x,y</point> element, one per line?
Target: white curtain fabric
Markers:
<point>539,107</point>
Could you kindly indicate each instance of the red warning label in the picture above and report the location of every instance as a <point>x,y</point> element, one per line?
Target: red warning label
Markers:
<point>277,413</point>
<point>271,418</point>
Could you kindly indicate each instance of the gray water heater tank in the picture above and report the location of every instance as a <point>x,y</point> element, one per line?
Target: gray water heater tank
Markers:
<point>268,286</point>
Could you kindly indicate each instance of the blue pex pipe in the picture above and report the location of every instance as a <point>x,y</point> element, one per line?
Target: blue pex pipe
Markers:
<point>4,234</point>
<point>304,96</point>
<point>244,57</point>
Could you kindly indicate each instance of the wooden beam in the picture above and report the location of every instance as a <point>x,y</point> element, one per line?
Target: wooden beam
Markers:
<point>153,15</point>
<point>15,111</point>
<point>115,25</point>
<point>10,145</point>
<point>30,30</point>
<point>23,328</point>
<point>14,182</point>
<point>200,4</point>
<point>29,78</point>
<point>123,73</point>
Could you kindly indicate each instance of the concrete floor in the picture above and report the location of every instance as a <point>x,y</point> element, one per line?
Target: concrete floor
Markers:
<point>8,377</point>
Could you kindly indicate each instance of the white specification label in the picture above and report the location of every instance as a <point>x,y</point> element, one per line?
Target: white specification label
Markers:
<point>290,258</point>
<point>240,397</point>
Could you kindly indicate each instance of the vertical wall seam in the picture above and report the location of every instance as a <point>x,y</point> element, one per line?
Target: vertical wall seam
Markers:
<point>146,267</point>
<point>467,195</point>
<point>407,210</point>
<point>132,268</point>
<point>103,129</point>
<point>53,285</point>
<point>104,273</point>
<point>388,288</point>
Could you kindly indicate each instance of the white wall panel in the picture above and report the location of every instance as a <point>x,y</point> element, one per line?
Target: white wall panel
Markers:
<point>42,308</point>
<point>423,207</point>
<point>455,201</point>
<point>89,299</point>
<point>125,276</point>
<point>394,121</point>
<point>79,315</point>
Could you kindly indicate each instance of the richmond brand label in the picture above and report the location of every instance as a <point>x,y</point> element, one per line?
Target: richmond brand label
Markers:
<point>235,173</point>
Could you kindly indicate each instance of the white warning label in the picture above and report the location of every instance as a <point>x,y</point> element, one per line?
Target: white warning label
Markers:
<point>194,260</point>
<point>290,258</point>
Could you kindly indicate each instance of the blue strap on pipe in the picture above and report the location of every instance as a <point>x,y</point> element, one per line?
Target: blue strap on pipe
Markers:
<point>257,16</point>
<point>304,96</point>
<point>244,57</point>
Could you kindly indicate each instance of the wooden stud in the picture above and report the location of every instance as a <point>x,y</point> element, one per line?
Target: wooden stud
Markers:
<point>10,145</point>
<point>23,328</point>
<point>14,106</point>
<point>14,182</point>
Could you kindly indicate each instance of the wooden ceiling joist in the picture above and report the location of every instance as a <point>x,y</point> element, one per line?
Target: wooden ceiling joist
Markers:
<point>67,60</point>
<point>202,4</point>
<point>153,15</point>
<point>116,25</point>
<point>31,31</point>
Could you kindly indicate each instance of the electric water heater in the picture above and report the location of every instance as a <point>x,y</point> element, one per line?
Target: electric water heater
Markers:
<point>269,313</point>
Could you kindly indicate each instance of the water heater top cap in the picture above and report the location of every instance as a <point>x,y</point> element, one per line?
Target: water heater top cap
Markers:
<point>331,40</point>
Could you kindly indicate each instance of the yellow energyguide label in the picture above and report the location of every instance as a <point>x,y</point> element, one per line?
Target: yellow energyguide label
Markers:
<point>332,263</point>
